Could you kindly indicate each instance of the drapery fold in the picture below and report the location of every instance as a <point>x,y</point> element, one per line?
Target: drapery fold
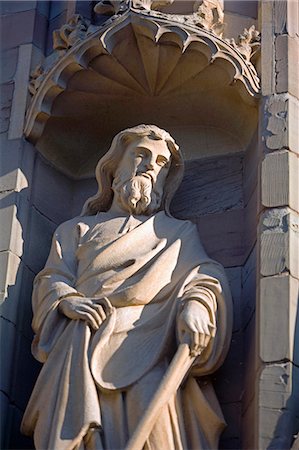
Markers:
<point>147,273</point>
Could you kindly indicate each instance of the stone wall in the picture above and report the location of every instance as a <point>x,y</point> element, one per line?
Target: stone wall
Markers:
<point>241,218</point>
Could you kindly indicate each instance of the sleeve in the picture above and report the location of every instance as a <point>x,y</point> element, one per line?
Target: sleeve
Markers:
<point>209,286</point>
<point>56,281</point>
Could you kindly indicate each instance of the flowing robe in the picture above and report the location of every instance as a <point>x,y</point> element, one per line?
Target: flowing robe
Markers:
<point>94,386</point>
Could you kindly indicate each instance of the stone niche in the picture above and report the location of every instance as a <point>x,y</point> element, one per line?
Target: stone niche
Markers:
<point>152,68</point>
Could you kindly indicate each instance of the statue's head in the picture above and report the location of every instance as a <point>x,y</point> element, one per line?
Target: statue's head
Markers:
<point>142,170</point>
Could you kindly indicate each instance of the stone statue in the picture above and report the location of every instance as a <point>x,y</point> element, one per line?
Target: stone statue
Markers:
<point>124,286</point>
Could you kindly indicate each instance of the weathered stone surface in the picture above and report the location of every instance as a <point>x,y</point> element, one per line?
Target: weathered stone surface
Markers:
<point>9,264</point>
<point>249,287</point>
<point>41,231</point>
<point>243,8</point>
<point>267,50</point>
<point>278,399</point>
<point>280,180</point>
<point>8,336</point>
<point>9,61</point>
<point>234,275</point>
<point>287,64</point>
<point>18,28</point>
<point>57,8</point>
<point>292,24</point>
<point>4,402</point>
<point>251,213</point>
<point>248,430</point>
<point>26,370</point>
<point>5,106</point>
<point>228,380</point>
<point>250,169</point>
<point>282,122</point>
<point>52,192</point>
<point>204,196</point>
<point>81,190</point>
<point>250,362</point>
<point>279,242</point>
<point>278,312</point>
<point>231,437</point>
<point>11,229</point>
<point>9,7</point>
<point>19,101</point>
<point>223,236</point>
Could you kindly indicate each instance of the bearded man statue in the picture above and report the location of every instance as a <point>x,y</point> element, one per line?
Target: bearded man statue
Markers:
<point>125,284</point>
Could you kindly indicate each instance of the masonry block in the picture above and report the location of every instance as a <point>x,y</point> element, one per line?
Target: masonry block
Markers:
<point>82,190</point>
<point>280,180</point>
<point>9,7</point>
<point>278,307</point>
<point>251,364</point>
<point>208,194</point>
<point>250,169</point>
<point>287,64</point>
<point>234,275</point>
<point>8,336</point>
<point>283,122</point>
<point>223,236</point>
<point>5,105</point>
<point>228,380</point>
<point>14,207</point>
<point>279,242</point>
<point>249,287</point>
<point>18,28</point>
<point>52,192</point>
<point>26,372</point>
<point>243,8</point>
<point>278,400</point>
<point>38,241</point>
<point>9,60</point>
<point>9,274</point>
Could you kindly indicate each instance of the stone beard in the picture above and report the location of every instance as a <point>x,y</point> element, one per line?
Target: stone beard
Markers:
<point>124,285</point>
<point>137,195</point>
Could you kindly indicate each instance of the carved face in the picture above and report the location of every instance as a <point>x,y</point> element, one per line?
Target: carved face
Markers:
<point>146,157</point>
<point>141,174</point>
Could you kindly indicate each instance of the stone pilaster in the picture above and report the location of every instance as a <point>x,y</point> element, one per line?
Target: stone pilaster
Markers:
<point>277,396</point>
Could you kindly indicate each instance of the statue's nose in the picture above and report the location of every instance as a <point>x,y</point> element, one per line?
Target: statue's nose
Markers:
<point>149,165</point>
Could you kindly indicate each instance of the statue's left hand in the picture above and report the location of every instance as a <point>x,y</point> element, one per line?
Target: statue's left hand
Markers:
<point>194,326</point>
<point>93,311</point>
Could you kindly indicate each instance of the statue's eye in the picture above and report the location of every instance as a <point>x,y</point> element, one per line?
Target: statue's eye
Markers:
<point>161,161</point>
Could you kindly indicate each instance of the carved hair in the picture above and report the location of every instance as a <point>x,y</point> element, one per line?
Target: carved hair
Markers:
<point>107,165</point>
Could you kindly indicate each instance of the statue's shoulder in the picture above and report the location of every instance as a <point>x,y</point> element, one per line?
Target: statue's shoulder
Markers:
<point>183,225</point>
<point>73,224</point>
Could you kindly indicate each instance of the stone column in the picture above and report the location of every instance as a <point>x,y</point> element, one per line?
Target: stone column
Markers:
<point>277,396</point>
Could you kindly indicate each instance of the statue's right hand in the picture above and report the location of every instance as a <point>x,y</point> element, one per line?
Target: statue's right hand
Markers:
<point>84,309</point>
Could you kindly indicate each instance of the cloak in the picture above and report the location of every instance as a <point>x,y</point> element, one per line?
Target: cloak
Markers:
<point>147,269</point>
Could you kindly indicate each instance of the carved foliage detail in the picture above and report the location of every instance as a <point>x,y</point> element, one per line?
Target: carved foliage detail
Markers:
<point>75,30</point>
<point>248,43</point>
<point>209,14</point>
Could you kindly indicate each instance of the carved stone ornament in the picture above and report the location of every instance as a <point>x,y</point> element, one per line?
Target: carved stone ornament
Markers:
<point>71,33</point>
<point>137,57</point>
<point>248,42</point>
<point>128,307</point>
